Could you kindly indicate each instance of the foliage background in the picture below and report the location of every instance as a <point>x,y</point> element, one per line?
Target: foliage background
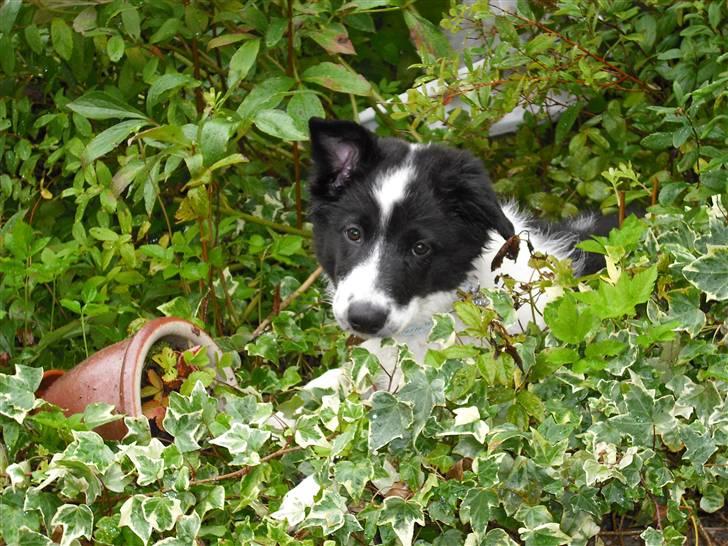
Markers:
<point>152,155</point>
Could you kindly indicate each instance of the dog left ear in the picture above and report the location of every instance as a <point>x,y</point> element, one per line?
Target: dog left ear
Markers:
<point>338,149</point>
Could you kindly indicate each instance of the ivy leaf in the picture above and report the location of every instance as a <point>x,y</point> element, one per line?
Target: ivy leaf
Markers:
<point>162,512</point>
<point>475,508</point>
<point>27,537</point>
<point>296,501</point>
<point>147,461</point>
<point>337,78</point>
<point>243,443</point>
<point>186,417</point>
<point>76,520</point>
<point>308,433</point>
<point>279,124</point>
<point>328,513</point>
<point>99,413</point>
<point>389,419</point>
<point>89,448</point>
<point>132,516</point>
<point>709,273</point>
<point>188,527</point>
<point>402,516</point>
<point>354,476</point>
<point>242,61</point>
<point>17,392</point>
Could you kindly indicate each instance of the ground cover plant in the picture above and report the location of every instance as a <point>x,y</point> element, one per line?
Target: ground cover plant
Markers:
<point>152,156</point>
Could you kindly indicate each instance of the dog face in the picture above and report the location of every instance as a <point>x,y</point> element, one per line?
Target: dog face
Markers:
<point>397,226</point>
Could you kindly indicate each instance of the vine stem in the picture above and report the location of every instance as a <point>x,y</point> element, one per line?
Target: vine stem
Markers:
<point>285,303</point>
<point>243,471</point>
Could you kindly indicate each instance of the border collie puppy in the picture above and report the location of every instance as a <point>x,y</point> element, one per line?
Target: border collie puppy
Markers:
<point>400,227</point>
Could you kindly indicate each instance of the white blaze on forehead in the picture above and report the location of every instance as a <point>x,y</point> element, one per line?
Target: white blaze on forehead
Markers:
<point>392,186</point>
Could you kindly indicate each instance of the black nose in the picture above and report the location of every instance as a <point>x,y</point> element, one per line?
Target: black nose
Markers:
<point>366,318</point>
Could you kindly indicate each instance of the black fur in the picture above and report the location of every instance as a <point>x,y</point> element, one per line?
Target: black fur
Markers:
<point>450,206</point>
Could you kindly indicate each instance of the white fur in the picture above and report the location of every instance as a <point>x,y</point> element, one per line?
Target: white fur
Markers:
<point>410,325</point>
<point>391,189</point>
<point>360,283</point>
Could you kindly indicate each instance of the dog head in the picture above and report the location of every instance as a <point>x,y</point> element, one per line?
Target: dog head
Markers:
<point>397,226</point>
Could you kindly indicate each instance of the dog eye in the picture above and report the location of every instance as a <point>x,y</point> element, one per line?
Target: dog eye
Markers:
<point>420,249</point>
<point>353,234</point>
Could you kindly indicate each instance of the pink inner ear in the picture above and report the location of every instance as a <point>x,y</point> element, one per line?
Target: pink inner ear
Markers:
<point>345,157</point>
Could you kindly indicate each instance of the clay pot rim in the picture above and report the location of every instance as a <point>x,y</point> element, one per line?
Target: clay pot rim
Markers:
<point>181,331</point>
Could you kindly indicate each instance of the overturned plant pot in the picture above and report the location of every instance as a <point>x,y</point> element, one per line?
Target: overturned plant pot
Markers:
<point>114,374</point>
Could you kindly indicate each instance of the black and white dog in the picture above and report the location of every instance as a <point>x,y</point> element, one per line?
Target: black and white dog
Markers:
<point>400,227</point>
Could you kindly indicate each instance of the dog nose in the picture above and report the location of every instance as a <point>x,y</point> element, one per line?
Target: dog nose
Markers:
<point>366,318</point>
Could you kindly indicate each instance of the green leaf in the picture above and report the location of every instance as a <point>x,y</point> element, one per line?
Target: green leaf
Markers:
<point>109,139</point>
<point>115,48</point>
<point>131,21</point>
<point>166,84</point>
<point>334,39</point>
<point>569,322</point>
<point>242,61</point>
<point>166,31</point>
<point>337,78</point>
<point>709,273</point>
<point>304,106</point>
<point>214,138</point>
<point>265,95</point>
<point>402,515</point>
<point>76,520</point>
<point>100,105</point>
<point>429,41</point>
<point>8,14</point>
<point>620,299</point>
<point>62,38</point>
<point>278,124</point>
<point>389,419</point>
<point>566,122</point>
<point>657,141</point>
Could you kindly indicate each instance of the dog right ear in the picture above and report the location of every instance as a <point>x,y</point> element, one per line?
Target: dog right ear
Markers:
<point>338,149</point>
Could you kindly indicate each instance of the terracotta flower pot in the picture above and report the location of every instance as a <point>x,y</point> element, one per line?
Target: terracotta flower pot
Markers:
<point>114,374</point>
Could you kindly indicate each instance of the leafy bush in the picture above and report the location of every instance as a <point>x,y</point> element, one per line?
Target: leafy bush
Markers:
<point>151,164</point>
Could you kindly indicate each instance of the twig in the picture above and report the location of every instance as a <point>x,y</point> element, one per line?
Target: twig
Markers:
<point>263,222</point>
<point>624,75</point>
<point>243,471</point>
<point>300,290</point>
